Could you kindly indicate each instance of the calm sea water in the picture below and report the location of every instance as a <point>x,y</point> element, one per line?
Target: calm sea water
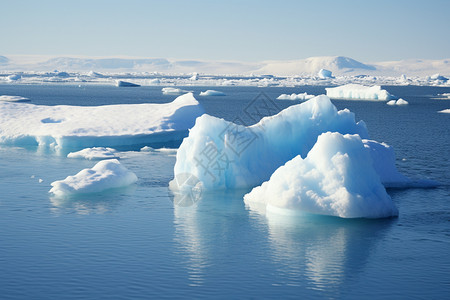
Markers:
<point>134,243</point>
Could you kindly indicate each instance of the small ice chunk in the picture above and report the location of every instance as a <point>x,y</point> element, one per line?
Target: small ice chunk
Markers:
<point>325,74</point>
<point>212,93</point>
<point>397,102</point>
<point>13,98</point>
<point>105,175</point>
<point>336,178</point>
<point>41,180</point>
<point>358,92</point>
<point>95,153</point>
<point>14,77</point>
<point>163,150</point>
<point>445,111</point>
<point>173,91</point>
<point>295,97</point>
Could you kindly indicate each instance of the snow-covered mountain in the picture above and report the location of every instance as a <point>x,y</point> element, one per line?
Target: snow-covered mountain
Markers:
<point>339,65</point>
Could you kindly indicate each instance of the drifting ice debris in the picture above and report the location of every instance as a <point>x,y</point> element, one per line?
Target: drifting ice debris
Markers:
<point>105,175</point>
<point>121,83</point>
<point>358,92</point>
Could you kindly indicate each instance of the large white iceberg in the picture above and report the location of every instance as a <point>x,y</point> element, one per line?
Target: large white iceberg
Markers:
<point>226,155</point>
<point>105,175</point>
<point>64,127</point>
<point>358,92</point>
<point>337,178</point>
<point>294,96</point>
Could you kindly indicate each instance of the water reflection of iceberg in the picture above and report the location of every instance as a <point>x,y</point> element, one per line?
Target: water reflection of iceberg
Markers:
<point>202,229</point>
<point>85,204</point>
<point>322,250</point>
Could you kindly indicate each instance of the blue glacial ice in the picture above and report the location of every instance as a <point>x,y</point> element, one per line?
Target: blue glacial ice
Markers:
<point>224,155</point>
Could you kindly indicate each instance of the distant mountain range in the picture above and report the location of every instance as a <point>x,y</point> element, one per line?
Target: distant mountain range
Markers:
<point>339,65</point>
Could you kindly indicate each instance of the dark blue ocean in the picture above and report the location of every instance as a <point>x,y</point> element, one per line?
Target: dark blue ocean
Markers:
<point>135,243</point>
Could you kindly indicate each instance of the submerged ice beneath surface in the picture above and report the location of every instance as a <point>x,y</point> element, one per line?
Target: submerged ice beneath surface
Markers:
<point>105,175</point>
<point>358,92</point>
<point>336,178</point>
<point>65,128</point>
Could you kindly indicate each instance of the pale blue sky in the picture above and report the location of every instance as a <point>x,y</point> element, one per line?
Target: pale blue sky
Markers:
<point>228,30</point>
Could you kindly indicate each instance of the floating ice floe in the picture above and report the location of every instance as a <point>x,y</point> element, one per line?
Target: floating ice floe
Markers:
<point>105,175</point>
<point>72,128</point>
<point>358,92</point>
<point>445,111</point>
<point>95,153</point>
<point>294,97</point>
<point>397,102</point>
<point>336,178</point>
<point>161,150</point>
<point>212,93</point>
<point>174,91</point>
<point>325,74</point>
<point>13,98</point>
<point>121,83</point>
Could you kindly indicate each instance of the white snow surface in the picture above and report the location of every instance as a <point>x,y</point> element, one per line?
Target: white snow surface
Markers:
<point>337,178</point>
<point>13,98</point>
<point>64,127</point>
<point>105,175</point>
<point>295,97</point>
<point>95,153</point>
<point>212,93</point>
<point>358,92</point>
<point>224,155</point>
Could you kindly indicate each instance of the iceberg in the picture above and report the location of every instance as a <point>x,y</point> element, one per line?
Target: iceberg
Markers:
<point>13,98</point>
<point>325,74</point>
<point>358,92</point>
<point>173,91</point>
<point>224,155</point>
<point>336,178</point>
<point>445,111</point>
<point>212,93</point>
<point>14,77</point>
<point>398,102</point>
<point>105,175</point>
<point>62,127</point>
<point>121,83</point>
<point>294,97</point>
<point>95,153</point>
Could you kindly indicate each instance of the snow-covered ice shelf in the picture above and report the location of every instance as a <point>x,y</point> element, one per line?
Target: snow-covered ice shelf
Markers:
<point>67,128</point>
